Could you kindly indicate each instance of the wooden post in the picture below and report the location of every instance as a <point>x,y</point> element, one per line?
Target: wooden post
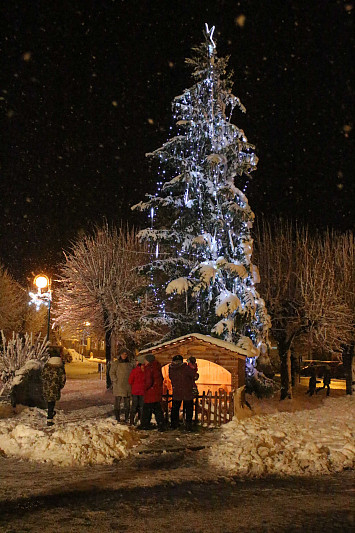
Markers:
<point>220,408</point>
<point>196,400</point>
<point>203,404</point>
<point>224,407</point>
<point>209,405</point>
<point>216,408</point>
<point>231,406</point>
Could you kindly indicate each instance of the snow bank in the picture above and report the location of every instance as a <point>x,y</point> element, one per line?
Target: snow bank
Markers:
<point>319,441</point>
<point>75,355</point>
<point>81,442</point>
<point>32,364</point>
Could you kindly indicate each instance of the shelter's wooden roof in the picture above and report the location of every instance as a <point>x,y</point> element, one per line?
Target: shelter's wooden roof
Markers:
<point>202,339</point>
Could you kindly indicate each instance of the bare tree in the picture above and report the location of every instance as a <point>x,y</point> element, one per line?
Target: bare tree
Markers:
<point>100,284</point>
<point>16,352</point>
<point>12,303</point>
<point>343,251</point>
<point>15,313</point>
<point>304,290</point>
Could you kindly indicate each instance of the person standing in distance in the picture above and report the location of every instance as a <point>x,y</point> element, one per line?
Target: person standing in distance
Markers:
<point>119,373</point>
<point>53,380</point>
<point>137,382</point>
<point>153,393</point>
<point>182,377</point>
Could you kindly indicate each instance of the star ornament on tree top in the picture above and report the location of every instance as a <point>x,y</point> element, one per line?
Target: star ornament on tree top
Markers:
<point>209,34</point>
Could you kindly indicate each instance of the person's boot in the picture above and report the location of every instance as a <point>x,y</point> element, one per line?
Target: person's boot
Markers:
<point>126,418</point>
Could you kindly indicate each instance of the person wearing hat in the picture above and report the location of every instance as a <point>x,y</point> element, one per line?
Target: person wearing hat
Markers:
<point>53,380</point>
<point>137,381</point>
<point>152,393</point>
<point>182,377</point>
<point>119,373</point>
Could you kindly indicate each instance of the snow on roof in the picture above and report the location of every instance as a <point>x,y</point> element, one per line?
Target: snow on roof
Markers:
<point>205,338</point>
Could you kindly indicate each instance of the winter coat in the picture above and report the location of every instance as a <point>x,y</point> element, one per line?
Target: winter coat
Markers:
<point>53,379</point>
<point>119,374</point>
<point>137,381</point>
<point>182,378</point>
<point>153,382</point>
<point>326,378</point>
<point>312,384</point>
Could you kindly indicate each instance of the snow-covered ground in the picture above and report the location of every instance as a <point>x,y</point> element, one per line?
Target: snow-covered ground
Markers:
<point>303,442</point>
<point>311,442</point>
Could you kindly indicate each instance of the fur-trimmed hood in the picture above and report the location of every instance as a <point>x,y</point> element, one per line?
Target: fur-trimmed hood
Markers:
<point>55,361</point>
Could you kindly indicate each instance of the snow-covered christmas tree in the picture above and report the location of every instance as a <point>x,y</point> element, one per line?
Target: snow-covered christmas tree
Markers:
<point>200,221</point>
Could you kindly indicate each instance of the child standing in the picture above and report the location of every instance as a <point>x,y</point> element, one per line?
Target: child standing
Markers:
<point>53,380</point>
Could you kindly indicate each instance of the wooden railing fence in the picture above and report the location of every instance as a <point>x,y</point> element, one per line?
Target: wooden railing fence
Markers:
<point>209,409</point>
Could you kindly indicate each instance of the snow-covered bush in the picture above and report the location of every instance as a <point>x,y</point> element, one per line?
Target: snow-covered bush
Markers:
<point>256,382</point>
<point>16,352</point>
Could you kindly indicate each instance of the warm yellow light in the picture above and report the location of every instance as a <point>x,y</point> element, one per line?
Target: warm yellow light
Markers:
<point>41,281</point>
<point>87,323</point>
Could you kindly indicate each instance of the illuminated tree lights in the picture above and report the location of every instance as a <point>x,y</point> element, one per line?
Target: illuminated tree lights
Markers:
<point>200,222</point>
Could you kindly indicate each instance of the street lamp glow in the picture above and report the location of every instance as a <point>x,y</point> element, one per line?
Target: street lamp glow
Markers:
<point>41,281</point>
<point>42,296</point>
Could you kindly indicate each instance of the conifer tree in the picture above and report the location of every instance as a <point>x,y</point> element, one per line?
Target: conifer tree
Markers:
<point>200,221</point>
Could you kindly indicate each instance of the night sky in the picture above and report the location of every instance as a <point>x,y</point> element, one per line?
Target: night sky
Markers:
<point>86,90</point>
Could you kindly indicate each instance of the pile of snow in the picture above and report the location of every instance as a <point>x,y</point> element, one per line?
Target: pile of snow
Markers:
<point>84,441</point>
<point>32,364</point>
<point>319,441</point>
<point>75,355</point>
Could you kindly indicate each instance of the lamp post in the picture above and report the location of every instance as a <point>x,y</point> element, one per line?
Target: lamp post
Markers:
<point>42,296</point>
<point>85,331</point>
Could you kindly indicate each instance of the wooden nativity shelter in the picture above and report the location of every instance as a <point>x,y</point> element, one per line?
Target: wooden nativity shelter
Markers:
<point>222,353</point>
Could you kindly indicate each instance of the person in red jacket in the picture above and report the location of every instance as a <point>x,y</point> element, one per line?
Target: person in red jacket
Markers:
<point>153,393</point>
<point>137,381</point>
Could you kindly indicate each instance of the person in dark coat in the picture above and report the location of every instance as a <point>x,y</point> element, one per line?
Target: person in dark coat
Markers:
<point>137,382</point>
<point>312,384</point>
<point>326,380</point>
<point>53,380</point>
<point>119,374</point>
<point>182,377</point>
<point>152,393</point>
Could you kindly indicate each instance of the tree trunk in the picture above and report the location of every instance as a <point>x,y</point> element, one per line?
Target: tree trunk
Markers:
<point>108,335</point>
<point>285,374</point>
<point>285,345</point>
<point>289,374</point>
<point>108,357</point>
<point>295,369</point>
<point>349,368</point>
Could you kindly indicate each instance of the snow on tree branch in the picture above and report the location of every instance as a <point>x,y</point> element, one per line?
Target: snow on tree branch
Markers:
<point>16,352</point>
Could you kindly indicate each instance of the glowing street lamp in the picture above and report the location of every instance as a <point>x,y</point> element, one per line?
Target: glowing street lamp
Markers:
<point>41,281</point>
<point>85,332</point>
<point>43,296</point>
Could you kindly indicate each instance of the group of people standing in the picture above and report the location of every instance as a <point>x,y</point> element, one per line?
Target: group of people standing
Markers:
<point>138,390</point>
<point>312,384</point>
